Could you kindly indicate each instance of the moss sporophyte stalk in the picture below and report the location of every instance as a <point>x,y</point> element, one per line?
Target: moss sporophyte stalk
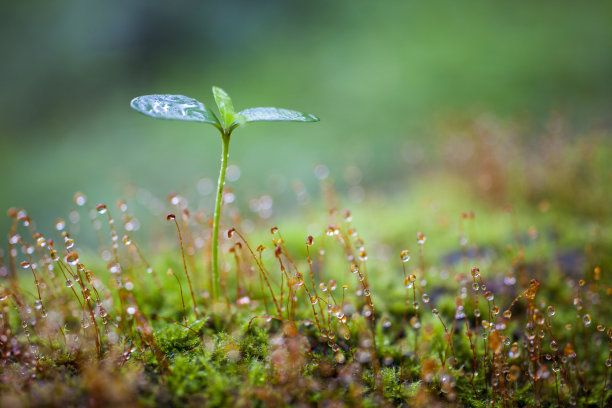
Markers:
<point>179,107</point>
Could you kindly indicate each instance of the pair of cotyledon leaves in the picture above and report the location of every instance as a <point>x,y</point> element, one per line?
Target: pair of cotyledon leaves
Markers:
<point>179,107</point>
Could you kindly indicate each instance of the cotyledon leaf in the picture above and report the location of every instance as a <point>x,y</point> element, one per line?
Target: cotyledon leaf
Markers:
<point>276,114</point>
<point>225,105</point>
<point>177,107</point>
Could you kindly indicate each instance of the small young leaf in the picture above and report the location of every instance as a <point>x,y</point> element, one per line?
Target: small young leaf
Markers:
<point>276,114</point>
<point>226,108</point>
<point>177,107</point>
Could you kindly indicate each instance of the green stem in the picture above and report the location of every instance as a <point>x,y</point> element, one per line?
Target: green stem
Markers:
<point>217,215</point>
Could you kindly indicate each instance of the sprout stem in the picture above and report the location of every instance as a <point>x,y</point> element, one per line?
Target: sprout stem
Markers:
<point>215,238</point>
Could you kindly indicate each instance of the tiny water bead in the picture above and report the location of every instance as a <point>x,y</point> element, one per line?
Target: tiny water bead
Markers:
<point>425,297</point>
<point>550,311</point>
<point>122,206</point>
<point>60,224</point>
<point>347,216</point>
<point>72,258</point>
<point>489,295</point>
<point>586,319</point>
<point>421,238</point>
<point>475,272</point>
<point>405,255</point>
<point>554,346</point>
<point>507,314</point>
<point>101,208</point>
<point>80,199</point>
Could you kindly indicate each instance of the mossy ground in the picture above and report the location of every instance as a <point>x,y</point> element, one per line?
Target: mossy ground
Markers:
<point>537,228</point>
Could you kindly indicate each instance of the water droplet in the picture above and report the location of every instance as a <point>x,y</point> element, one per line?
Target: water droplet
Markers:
<point>554,346</point>
<point>475,272</point>
<point>363,255</point>
<point>489,296</point>
<point>508,314</point>
<point>556,366</point>
<point>60,224</point>
<point>475,286</point>
<point>405,255</point>
<point>131,310</point>
<point>550,311</point>
<point>126,240</point>
<point>72,258</point>
<point>354,268</point>
<point>122,205</point>
<point>425,298</point>
<point>68,242</point>
<point>101,208</point>
<point>80,199</point>
<point>586,319</point>
<point>421,238</point>
<point>347,216</point>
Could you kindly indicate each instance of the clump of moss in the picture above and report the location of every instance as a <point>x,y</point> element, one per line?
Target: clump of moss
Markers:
<point>521,319</point>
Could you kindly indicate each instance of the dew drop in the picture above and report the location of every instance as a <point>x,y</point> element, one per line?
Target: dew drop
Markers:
<point>101,208</point>
<point>80,199</point>
<point>72,258</point>
<point>363,255</point>
<point>586,319</point>
<point>421,238</point>
<point>41,242</point>
<point>60,224</point>
<point>405,255</point>
<point>550,311</point>
<point>554,346</point>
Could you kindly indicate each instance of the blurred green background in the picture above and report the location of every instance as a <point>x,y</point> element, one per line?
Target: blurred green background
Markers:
<point>381,75</point>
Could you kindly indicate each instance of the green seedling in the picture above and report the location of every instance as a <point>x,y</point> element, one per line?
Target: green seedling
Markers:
<point>179,107</point>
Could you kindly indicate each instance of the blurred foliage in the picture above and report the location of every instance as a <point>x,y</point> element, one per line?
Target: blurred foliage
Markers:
<point>384,78</point>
